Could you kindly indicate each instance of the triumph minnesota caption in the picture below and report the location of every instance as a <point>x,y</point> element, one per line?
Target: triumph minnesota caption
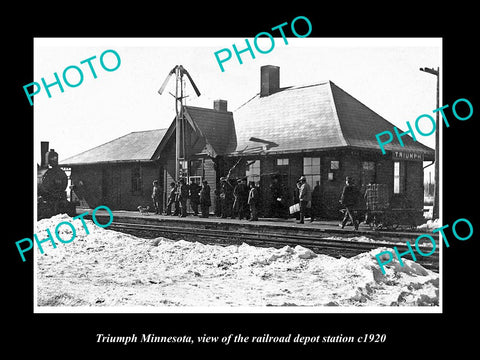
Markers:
<point>239,338</point>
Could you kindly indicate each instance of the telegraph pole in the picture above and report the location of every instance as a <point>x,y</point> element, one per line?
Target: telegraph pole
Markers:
<point>178,123</point>
<point>179,71</point>
<point>437,145</point>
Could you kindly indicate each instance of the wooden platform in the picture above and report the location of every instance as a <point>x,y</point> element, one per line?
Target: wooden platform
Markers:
<point>322,229</point>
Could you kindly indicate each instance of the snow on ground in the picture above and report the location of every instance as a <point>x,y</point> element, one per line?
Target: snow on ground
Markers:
<point>365,239</point>
<point>429,225</point>
<point>109,268</point>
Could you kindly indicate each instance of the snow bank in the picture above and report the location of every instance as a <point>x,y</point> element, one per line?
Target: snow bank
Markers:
<point>108,268</point>
<point>430,225</point>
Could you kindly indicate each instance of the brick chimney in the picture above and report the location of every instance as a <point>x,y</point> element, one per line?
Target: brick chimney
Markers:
<point>269,80</point>
<point>43,152</point>
<point>220,105</point>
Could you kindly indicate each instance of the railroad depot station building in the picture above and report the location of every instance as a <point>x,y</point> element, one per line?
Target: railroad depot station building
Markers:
<point>317,130</point>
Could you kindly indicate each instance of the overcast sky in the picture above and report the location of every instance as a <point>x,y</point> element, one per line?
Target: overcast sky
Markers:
<point>381,73</point>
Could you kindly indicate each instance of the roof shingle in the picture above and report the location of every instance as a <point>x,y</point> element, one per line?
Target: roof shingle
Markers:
<point>315,117</point>
<point>136,146</point>
<point>299,118</point>
<point>217,127</point>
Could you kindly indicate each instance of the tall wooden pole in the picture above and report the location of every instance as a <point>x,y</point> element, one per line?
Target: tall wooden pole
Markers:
<point>177,125</point>
<point>180,150</point>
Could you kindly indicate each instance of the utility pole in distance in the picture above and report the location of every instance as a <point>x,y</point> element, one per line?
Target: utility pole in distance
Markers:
<point>179,71</point>
<point>437,149</point>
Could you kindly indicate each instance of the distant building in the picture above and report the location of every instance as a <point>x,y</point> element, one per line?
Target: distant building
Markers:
<point>316,130</point>
<point>118,174</point>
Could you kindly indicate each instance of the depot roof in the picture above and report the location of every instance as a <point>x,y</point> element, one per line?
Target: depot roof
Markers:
<point>314,117</point>
<point>320,116</point>
<point>215,126</point>
<point>135,146</point>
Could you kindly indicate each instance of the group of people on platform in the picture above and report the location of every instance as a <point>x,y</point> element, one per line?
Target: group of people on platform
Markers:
<point>307,198</point>
<point>233,198</point>
<point>233,201</point>
<point>181,192</point>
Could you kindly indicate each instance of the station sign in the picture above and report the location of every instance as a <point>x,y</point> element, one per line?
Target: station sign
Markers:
<point>407,155</point>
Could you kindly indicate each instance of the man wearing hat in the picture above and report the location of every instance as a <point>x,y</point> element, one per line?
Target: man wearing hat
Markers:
<point>205,201</point>
<point>194,195</point>
<point>182,197</point>
<point>278,200</point>
<point>305,197</point>
<point>349,199</point>
<point>172,200</point>
<point>226,197</point>
<point>240,192</point>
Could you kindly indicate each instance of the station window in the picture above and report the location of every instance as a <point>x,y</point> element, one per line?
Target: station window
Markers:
<point>399,177</point>
<point>368,165</point>
<point>253,171</point>
<point>136,180</point>
<point>311,169</point>
<point>196,168</point>
<point>183,168</point>
<point>196,179</point>
<point>282,162</point>
<point>368,173</point>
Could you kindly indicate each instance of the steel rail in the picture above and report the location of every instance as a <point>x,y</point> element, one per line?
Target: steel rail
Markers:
<point>323,245</point>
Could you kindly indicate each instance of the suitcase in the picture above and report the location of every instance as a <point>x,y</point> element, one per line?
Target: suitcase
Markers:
<point>294,208</point>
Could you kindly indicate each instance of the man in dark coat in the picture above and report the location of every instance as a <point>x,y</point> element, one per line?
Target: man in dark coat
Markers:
<point>277,199</point>
<point>305,197</point>
<point>172,200</point>
<point>218,200</point>
<point>182,194</point>
<point>194,196</point>
<point>227,197</point>
<point>316,201</point>
<point>240,194</point>
<point>349,199</point>
<point>205,201</point>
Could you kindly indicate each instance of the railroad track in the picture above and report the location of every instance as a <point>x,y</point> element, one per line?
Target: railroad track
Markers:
<point>320,245</point>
